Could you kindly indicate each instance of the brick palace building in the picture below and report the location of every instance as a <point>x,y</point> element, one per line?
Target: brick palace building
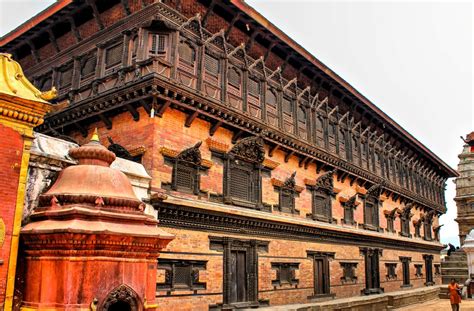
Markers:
<point>280,182</point>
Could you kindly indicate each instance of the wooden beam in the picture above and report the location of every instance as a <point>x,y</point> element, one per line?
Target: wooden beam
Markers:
<point>145,106</point>
<point>95,13</point>
<point>214,128</point>
<point>288,155</point>
<point>34,52</point>
<point>272,150</point>
<point>52,39</point>
<point>106,120</point>
<point>320,167</point>
<point>133,112</point>
<point>306,165</point>
<point>126,7</point>
<point>231,25</point>
<point>190,118</point>
<point>302,161</point>
<point>74,29</point>
<point>236,136</point>
<point>208,12</point>
<point>163,108</point>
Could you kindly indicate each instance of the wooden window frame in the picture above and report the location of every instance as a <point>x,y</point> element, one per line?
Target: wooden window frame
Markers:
<point>171,267</point>
<point>324,190</point>
<point>325,257</point>
<point>349,272</point>
<point>290,273</point>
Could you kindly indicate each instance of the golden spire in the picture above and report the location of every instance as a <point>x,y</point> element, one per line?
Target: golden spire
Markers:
<point>95,136</point>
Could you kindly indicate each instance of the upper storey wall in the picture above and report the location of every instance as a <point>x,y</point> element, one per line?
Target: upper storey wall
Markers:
<point>311,110</point>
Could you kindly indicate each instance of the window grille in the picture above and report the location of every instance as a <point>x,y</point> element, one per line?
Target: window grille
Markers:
<point>233,77</point>
<point>287,106</point>
<point>253,87</point>
<point>113,56</point>
<point>89,65</point>
<point>270,98</point>
<point>211,64</point>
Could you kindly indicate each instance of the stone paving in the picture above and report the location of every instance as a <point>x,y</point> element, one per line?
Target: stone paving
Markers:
<point>438,305</point>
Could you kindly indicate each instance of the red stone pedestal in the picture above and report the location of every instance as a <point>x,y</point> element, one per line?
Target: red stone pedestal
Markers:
<point>89,244</point>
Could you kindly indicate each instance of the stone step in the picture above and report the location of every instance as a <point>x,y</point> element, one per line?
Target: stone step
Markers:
<point>443,293</point>
<point>455,270</point>
<point>454,264</point>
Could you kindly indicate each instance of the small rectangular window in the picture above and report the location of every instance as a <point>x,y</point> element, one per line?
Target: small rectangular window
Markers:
<point>158,44</point>
<point>180,274</point>
<point>285,273</point>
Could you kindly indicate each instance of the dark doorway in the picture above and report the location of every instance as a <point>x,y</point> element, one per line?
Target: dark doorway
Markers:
<point>238,277</point>
<point>372,271</point>
<point>428,269</point>
<point>321,276</point>
<point>406,271</point>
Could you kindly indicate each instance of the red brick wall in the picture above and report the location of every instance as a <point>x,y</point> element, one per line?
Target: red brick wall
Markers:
<point>11,151</point>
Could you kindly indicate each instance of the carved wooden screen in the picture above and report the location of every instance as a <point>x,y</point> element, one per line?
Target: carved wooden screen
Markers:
<point>288,115</point>
<point>253,98</point>
<point>65,79</point>
<point>302,122</point>
<point>234,87</point>
<point>113,58</point>
<point>342,143</point>
<point>332,131</point>
<point>355,150</point>
<point>271,106</point>
<point>187,64</point>
<point>158,45</point>
<point>319,129</point>
<point>88,68</point>
<point>212,76</point>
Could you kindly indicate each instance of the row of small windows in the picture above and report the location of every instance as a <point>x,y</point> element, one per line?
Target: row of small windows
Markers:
<point>184,274</point>
<point>327,133</point>
<point>242,186</point>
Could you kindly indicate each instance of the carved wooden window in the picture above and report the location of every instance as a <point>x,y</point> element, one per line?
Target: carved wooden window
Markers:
<point>391,271</point>
<point>186,53</point>
<point>349,272</point>
<point>285,273</point>
<point>319,131</point>
<point>355,150</point>
<point>113,57</point>
<point>405,270</point>
<point>302,122</point>
<point>287,192</point>
<point>419,270</point>
<point>88,66</point>
<point>372,270</point>
<point>211,64</point>
<point>405,217</point>
<point>253,99</point>
<point>427,227</point>
<point>322,279</point>
<point>65,77</point>
<point>349,207</point>
<point>271,107</point>
<point>322,194</point>
<point>158,45</point>
<point>342,143</point>
<point>288,120</point>
<point>242,178</point>
<point>371,208</point>
<point>417,225</point>
<point>234,87</point>
<point>240,269</point>
<point>390,221</point>
<point>181,274</point>
<point>185,177</point>
<point>332,129</point>
<point>428,269</point>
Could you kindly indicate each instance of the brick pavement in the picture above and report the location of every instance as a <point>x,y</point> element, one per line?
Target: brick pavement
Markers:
<point>438,305</point>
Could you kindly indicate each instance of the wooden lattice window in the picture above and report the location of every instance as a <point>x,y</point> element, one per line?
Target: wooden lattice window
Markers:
<point>185,177</point>
<point>113,55</point>
<point>88,66</point>
<point>270,98</point>
<point>287,106</point>
<point>371,208</point>
<point>186,53</point>
<point>390,225</point>
<point>253,87</point>
<point>321,205</point>
<point>285,273</point>
<point>234,77</point>
<point>181,274</point>
<point>349,272</point>
<point>65,77</point>
<point>322,193</point>
<point>243,181</point>
<point>211,64</point>
<point>158,45</point>
<point>301,115</point>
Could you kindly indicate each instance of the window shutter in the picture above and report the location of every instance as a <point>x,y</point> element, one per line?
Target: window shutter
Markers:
<point>89,66</point>
<point>185,176</point>
<point>320,205</point>
<point>234,77</point>
<point>211,64</point>
<point>286,200</point>
<point>270,98</point>
<point>253,87</point>
<point>240,183</point>
<point>113,55</point>
<point>182,275</point>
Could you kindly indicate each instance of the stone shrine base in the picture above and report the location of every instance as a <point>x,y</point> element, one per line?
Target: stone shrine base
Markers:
<point>389,301</point>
